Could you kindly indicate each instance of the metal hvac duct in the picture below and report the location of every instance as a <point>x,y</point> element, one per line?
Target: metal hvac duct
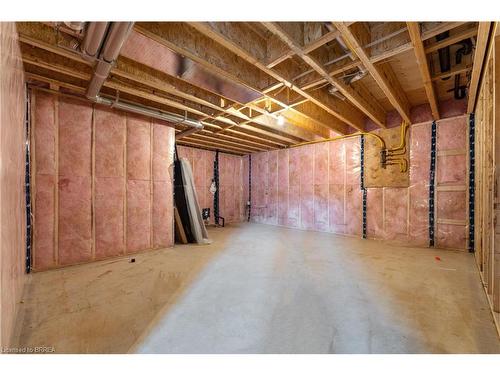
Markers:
<point>103,42</point>
<point>108,52</point>
<point>96,31</point>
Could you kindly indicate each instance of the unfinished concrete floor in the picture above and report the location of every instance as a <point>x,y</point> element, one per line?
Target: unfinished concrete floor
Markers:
<point>264,289</point>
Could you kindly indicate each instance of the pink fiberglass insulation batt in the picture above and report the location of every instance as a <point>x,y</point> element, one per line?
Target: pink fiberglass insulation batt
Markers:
<point>109,201</point>
<point>121,203</point>
<point>75,182</point>
<point>451,198</point>
<point>317,187</point>
<point>231,182</point>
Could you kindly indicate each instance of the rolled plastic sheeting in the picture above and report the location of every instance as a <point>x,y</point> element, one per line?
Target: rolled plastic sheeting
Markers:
<point>198,228</point>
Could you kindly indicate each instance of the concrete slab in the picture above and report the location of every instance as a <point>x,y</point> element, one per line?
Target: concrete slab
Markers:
<point>264,289</point>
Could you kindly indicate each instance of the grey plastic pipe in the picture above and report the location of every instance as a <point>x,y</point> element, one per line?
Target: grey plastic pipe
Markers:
<point>160,115</point>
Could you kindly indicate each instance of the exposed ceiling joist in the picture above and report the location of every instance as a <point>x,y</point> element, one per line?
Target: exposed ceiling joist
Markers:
<point>354,97</point>
<point>221,142</point>
<point>452,39</point>
<point>125,69</point>
<point>418,47</point>
<point>400,48</point>
<point>185,40</point>
<point>229,37</point>
<point>81,90</point>
<point>458,69</point>
<point>482,44</point>
<point>382,73</point>
<point>439,29</point>
<point>189,141</point>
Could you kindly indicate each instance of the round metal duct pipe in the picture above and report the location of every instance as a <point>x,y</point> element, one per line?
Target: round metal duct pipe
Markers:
<point>94,36</point>
<point>117,35</point>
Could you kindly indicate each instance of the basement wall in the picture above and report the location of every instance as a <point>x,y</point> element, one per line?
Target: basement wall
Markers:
<point>12,159</point>
<point>102,182</point>
<point>231,183</point>
<point>487,181</point>
<point>317,187</point>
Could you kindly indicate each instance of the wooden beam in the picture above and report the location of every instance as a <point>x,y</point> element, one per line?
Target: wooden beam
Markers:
<point>54,65</point>
<point>308,80</point>
<point>441,27</point>
<point>278,137</point>
<point>306,108</point>
<point>405,47</point>
<point>45,37</point>
<point>127,69</point>
<point>112,84</point>
<point>229,38</point>
<point>277,52</point>
<point>188,141</point>
<point>347,91</point>
<point>313,44</point>
<point>458,69</point>
<point>483,36</point>
<point>452,39</point>
<point>187,41</point>
<point>251,134</point>
<point>270,124</point>
<point>418,47</point>
<point>137,72</point>
<point>239,140</point>
<point>382,74</point>
<point>50,81</point>
<point>217,140</point>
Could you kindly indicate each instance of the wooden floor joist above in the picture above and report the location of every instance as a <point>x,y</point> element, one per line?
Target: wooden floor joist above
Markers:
<point>420,54</point>
<point>308,80</point>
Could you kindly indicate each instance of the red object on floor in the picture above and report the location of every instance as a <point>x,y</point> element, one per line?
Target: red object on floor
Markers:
<point>437,258</point>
